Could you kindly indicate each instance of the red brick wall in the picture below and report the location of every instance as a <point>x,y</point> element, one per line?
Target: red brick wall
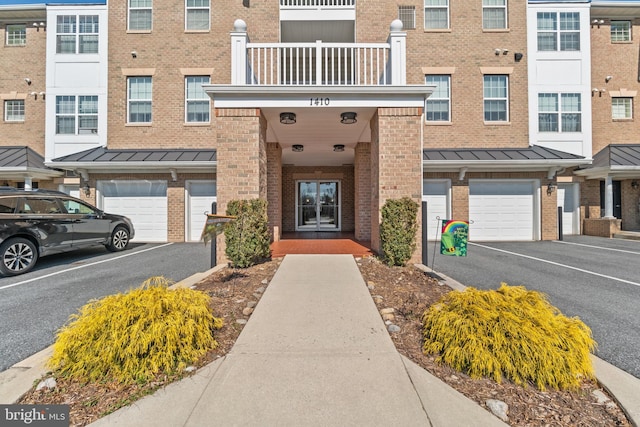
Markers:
<point>274,188</point>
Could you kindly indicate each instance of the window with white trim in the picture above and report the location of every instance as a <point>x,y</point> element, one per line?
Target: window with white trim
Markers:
<point>407,14</point>
<point>438,107</point>
<point>77,34</point>
<point>558,31</point>
<point>16,35</point>
<point>140,15</point>
<point>197,15</point>
<point>559,112</point>
<point>139,92</point>
<point>14,110</point>
<point>76,115</point>
<point>197,105</point>
<point>620,31</point>
<point>494,14</point>
<point>436,14</point>
<point>621,108</point>
<point>496,98</point>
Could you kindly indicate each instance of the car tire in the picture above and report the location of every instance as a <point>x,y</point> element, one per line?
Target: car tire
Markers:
<point>17,256</point>
<point>119,239</point>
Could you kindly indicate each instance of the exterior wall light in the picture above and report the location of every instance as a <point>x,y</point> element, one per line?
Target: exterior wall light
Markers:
<point>87,189</point>
<point>635,185</point>
<point>551,188</point>
<point>338,148</point>
<point>348,118</point>
<point>297,148</point>
<point>287,118</point>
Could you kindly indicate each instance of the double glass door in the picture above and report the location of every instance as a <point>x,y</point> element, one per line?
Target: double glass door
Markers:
<point>318,206</point>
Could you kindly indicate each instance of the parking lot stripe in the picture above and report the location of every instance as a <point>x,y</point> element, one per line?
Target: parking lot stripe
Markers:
<point>558,264</point>
<point>597,247</point>
<point>82,266</point>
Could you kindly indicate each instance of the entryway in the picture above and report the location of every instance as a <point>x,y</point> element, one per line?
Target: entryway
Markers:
<point>318,205</point>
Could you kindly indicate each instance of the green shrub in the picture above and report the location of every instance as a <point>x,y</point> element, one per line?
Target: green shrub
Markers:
<point>247,237</point>
<point>398,230</point>
<point>133,336</point>
<point>512,332</point>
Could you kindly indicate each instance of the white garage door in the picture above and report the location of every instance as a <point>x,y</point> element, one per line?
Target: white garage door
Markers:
<point>568,201</point>
<point>436,194</point>
<point>501,210</point>
<point>143,201</point>
<point>200,195</point>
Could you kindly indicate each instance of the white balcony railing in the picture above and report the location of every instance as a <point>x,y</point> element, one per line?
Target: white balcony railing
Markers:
<point>319,63</point>
<point>317,3</point>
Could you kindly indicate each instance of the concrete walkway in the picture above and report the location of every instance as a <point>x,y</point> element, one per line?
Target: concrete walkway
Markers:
<point>314,353</point>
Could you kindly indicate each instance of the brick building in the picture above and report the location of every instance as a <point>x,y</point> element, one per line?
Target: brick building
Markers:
<point>326,108</point>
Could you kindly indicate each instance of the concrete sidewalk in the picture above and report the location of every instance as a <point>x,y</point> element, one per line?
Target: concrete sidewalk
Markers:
<point>314,353</point>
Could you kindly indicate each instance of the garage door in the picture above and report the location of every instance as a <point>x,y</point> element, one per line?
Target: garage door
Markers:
<point>501,210</point>
<point>436,194</point>
<point>200,195</point>
<point>568,201</point>
<point>143,201</point>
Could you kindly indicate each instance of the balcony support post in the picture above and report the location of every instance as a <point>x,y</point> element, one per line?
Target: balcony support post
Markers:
<point>239,64</point>
<point>398,54</point>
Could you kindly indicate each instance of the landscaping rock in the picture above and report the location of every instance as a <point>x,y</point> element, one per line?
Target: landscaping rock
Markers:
<point>257,296</point>
<point>241,321</point>
<point>251,304</point>
<point>498,408</point>
<point>190,368</point>
<point>264,282</point>
<point>393,328</point>
<point>260,289</point>
<point>371,285</point>
<point>49,383</point>
<point>247,311</point>
<point>387,311</point>
<point>388,316</point>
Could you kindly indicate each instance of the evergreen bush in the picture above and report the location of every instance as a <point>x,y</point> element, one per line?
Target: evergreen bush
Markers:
<point>247,237</point>
<point>398,230</point>
<point>512,332</point>
<point>133,336</point>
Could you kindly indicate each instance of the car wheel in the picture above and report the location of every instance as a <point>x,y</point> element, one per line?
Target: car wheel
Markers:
<point>119,239</point>
<point>17,256</point>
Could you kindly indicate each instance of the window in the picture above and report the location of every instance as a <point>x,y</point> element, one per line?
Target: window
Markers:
<point>197,101</point>
<point>16,35</point>
<point>14,110</point>
<point>620,31</point>
<point>558,30</point>
<point>77,34</point>
<point>140,15</point>
<point>436,14</point>
<point>496,98</point>
<point>621,108</point>
<point>494,14</point>
<point>197,16</point>
<point>565,116</point>
<point>139,99</point>
<point>439,103</point>
<point>407,14</point>
<point>79,118</point>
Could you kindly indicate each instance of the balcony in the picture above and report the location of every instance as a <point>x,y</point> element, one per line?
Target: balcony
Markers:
<point>317,3</point>
<point>319,63</point>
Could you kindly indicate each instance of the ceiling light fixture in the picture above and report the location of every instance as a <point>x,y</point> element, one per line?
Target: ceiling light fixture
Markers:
<point>348,118</point>
<point>287,118</point>
<point>297,148</point>
<point>338,148</point>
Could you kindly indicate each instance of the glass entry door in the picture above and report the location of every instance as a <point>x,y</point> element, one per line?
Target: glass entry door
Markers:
<point>318,206</point>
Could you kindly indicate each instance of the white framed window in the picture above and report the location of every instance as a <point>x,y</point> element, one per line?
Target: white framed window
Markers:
<point>197,15</point>
<point>496,98</point>
<point>140,15</point>
<point>621,108</point>
<point>197,106</point>
<point>407,14</point>
<point>436,14</point>
<point>559,112</point>
<point>620,31</point>
<point>77,34</point>
<point>558,31</point>
<point>438,107</point>
<point>76,115</point>
<point>14,110</point>
<point>494,14</point>
<point>139,92</point>
<point>16,35</point>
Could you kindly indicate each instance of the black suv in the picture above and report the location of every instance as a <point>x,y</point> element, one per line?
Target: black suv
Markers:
<point>44,222</point>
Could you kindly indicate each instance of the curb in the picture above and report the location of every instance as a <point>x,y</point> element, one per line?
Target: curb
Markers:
<point>622,386</point>
<point>20,378</point>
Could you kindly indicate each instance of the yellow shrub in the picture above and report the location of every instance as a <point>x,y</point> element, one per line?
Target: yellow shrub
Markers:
<point>512,332</point>
<point>134,336</point>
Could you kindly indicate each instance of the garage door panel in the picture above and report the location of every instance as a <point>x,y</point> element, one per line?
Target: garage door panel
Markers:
<point>200,194</point>
<point>435,193</point>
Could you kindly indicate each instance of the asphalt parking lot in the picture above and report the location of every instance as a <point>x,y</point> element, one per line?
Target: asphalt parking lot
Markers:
<point>596,279</point>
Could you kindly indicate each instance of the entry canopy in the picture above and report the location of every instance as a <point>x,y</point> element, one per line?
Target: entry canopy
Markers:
<point>618,161</point>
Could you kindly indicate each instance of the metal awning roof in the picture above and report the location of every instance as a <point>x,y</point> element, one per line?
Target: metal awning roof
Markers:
<point>616,161</point>
<point>19,162</point>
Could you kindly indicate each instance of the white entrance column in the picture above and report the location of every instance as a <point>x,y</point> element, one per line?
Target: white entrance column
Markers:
<point>608,197</point>
<point>28,183</point>
<point>239,53</point>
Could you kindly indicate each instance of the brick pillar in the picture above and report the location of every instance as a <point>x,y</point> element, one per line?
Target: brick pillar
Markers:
<point>549,212</point>
<point>241,157</point>
<point>396,165</point>
<point>362,187</point>
<point>274,189</point>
